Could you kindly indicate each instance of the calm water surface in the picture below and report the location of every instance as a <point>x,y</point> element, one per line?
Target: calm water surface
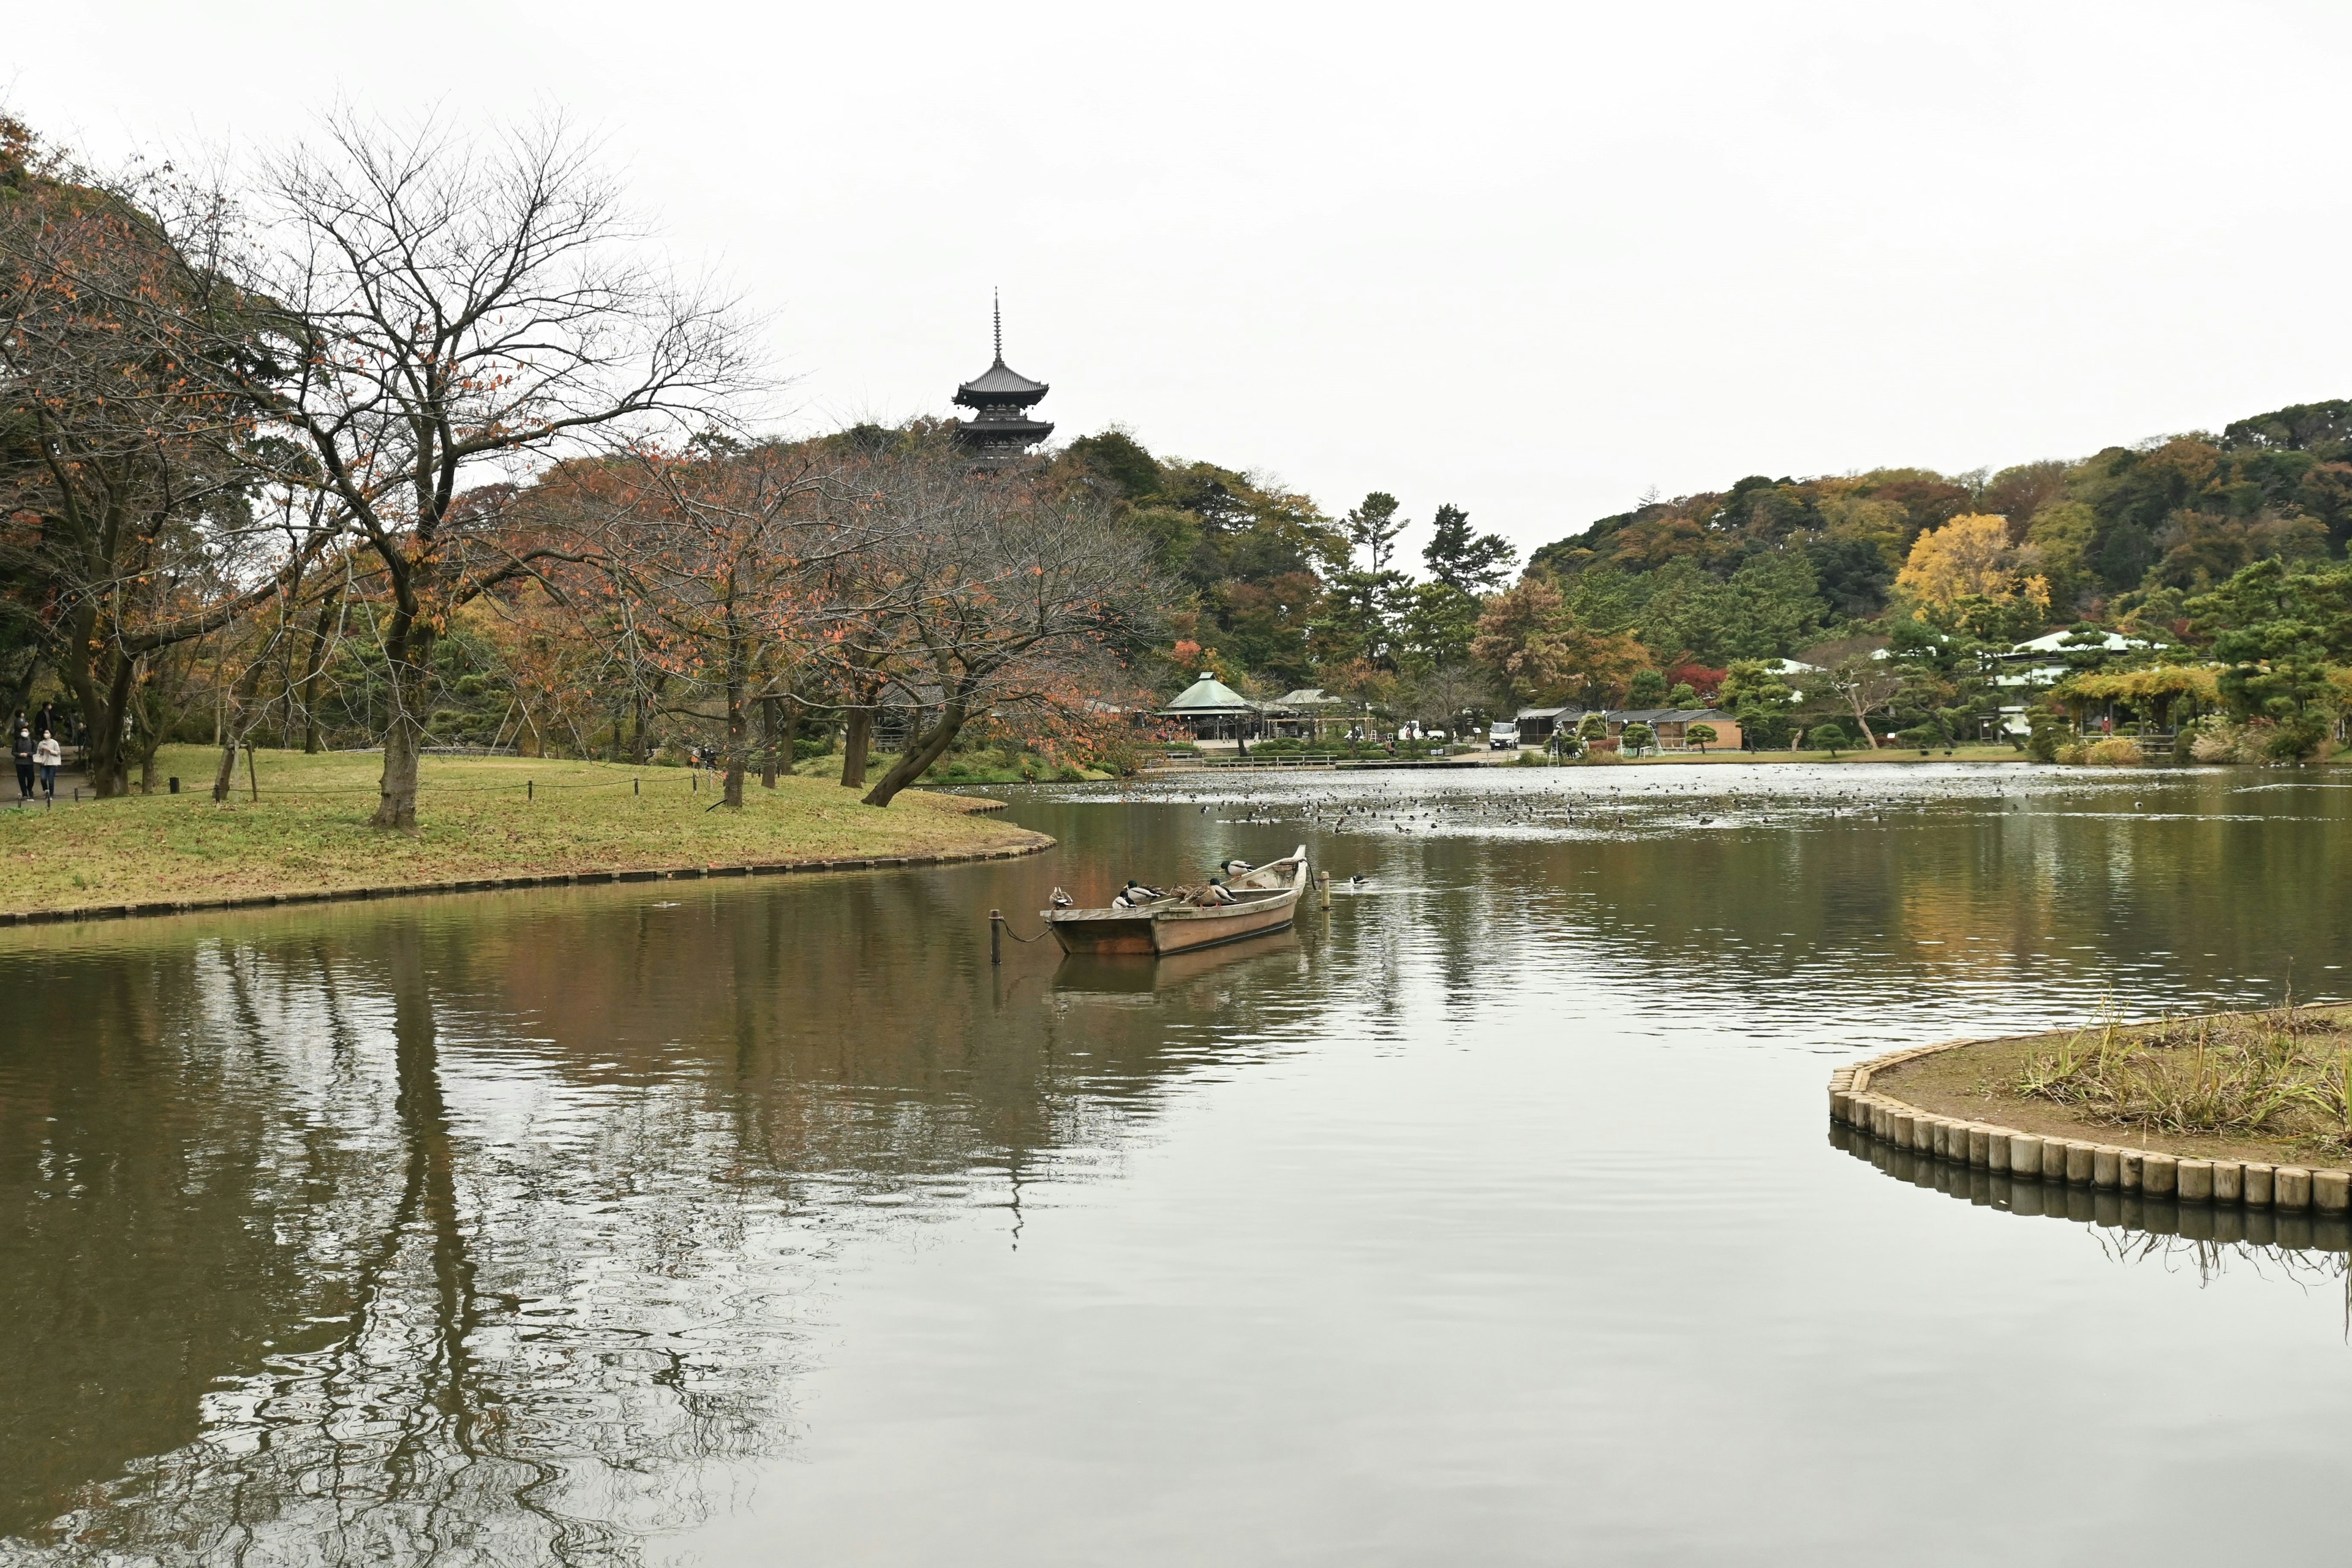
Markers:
<point>1492,1217</point>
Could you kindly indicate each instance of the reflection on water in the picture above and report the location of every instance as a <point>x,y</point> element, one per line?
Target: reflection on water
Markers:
<point>2287,1235</point>
<point>528,1227</point>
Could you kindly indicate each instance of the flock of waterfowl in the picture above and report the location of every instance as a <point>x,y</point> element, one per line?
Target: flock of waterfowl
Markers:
<point>1391,809</point>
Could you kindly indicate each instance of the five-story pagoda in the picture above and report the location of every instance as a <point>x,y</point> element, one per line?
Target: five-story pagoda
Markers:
<point>1000,397</point>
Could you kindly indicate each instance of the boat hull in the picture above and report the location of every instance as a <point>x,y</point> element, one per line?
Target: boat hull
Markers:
<point>1180,928</point>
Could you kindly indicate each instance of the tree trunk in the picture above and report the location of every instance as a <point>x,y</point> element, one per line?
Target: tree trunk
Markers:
<point>408,669</point>
<point>857,730</point>
<point>102,712</point>
<point>225,777</point>
<point>739,737</point>
<point>315,669</point>
<point>234,732</point>
<point>791,735</point>
<point>768,742</point>
<point>1860,719</point>
<point>919,754</point>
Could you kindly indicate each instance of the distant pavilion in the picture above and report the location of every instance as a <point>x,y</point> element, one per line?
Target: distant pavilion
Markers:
<point>1214,710</point>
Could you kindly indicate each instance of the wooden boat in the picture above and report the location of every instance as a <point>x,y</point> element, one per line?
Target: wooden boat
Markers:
<point>1266,900</point>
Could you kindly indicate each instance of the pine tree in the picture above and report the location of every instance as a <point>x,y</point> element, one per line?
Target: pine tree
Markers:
<point>1469,563</point>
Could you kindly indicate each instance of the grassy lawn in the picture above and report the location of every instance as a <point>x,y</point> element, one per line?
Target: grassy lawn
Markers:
<point>309,831</point>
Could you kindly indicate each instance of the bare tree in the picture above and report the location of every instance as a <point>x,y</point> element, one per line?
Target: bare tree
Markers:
<point>986,589</point>
<point>440,315</point>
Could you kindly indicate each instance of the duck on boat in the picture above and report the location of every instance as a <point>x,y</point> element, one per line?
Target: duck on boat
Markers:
<point>1249,901</point>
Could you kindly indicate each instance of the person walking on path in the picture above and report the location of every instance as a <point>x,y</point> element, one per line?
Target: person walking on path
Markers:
<point>22,745</point>
<point>50,757</point>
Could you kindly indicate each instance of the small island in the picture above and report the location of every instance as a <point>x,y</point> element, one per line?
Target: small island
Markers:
<point>2226,1107</point>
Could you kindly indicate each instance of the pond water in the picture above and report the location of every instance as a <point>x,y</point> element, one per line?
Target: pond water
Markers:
<point>1493,1216</point>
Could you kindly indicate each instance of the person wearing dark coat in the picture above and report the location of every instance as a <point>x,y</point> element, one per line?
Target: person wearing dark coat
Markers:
<point>22,747</point>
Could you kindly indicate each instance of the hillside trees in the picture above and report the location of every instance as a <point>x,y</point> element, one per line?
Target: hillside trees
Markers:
<point>1244,559</point>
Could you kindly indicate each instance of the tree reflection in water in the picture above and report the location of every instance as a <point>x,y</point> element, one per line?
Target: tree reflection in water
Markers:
<point>485,1231</point>
<point>2210,1239</point>
<point>478,1394</point>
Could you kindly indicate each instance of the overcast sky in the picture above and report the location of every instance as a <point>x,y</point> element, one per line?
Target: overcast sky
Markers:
<point>1534,260</point>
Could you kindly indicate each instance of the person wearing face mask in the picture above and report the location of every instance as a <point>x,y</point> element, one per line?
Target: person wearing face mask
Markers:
<point>50,757</point>
<point>23,747</point>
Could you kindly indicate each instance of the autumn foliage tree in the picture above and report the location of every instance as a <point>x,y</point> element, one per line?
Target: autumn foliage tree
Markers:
<point>1969,562</point>
<point>727,553</point>
<point>134,514</point>
<point>981,590</point>
<point>1531,639</point>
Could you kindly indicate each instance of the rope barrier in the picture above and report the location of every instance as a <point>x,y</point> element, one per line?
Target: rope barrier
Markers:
<point>998,929</point>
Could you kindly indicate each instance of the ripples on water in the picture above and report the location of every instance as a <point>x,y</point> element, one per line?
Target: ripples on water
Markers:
<point>608,1225</point>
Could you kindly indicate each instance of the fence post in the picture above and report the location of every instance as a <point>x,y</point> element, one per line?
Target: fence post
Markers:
<point>996,936</point>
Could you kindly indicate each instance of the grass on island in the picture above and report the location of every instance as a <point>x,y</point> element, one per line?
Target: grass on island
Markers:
<point>2274,1085</point>
<point>310,832</point>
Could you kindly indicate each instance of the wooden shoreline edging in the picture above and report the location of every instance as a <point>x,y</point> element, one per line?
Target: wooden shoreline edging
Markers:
<point>2075,1161</point>
<point>504,884</point>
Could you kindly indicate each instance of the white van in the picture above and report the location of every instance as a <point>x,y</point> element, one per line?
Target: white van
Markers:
<point>1502,737</point>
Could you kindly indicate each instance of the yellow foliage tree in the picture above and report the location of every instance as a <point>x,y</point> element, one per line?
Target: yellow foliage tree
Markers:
<point>1971,557</point>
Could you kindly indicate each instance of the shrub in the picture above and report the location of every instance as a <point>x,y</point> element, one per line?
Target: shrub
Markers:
<point>1699,735</point>
<point>2046,735</point>
<point>1830,737</point>
<point>2115,752</point>
<point>2294,739</point>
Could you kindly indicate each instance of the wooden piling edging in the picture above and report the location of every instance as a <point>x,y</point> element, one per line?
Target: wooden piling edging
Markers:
<point>2060,1161</point>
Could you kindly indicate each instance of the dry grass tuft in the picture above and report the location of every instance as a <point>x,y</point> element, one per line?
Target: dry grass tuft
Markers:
<point>2285,1074</point>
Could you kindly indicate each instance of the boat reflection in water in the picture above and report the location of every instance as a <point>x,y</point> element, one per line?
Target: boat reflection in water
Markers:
<point>2145,1223</point>
<point>1139,974</point>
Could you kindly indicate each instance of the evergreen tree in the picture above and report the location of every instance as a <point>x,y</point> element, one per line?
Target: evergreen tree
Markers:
<point>1469,563</point>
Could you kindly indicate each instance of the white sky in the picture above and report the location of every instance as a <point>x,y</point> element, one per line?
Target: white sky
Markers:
<point>1531,259</point>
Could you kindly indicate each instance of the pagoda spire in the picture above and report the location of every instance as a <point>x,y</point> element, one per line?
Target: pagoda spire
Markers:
<point>1001,430</point>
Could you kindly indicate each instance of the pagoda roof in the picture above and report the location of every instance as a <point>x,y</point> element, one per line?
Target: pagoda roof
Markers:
<point>999,382</point>
<point>1209,695</point>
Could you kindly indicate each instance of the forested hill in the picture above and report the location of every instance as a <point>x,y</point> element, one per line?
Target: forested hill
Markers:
<point>1756,569</point>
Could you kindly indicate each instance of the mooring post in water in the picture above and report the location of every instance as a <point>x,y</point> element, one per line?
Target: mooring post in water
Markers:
<point>1323,885</point>
<point>996,936</point>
